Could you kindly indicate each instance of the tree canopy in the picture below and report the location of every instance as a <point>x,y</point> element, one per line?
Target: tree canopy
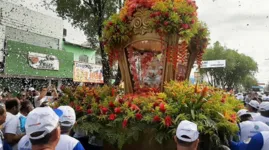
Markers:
<point>248,82</point>
<point>88,15</point>
<point>238,67</point>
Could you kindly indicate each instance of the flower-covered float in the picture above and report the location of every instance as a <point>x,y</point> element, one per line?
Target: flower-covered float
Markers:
<point>155,43</point>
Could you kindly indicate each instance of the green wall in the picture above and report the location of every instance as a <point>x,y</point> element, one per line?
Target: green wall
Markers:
<point>78,51</point>
<point>17,61</point>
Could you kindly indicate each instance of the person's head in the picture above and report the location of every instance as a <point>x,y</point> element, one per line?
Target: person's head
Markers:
<point>42,127</point>
<point>68,119</point>
<point>187,136</point>
<point>264,109</point>
<point>244,115</point>
<point>253,106</point>
<point>26,107</point>
<point>3,113</point>
<point>13,106</point>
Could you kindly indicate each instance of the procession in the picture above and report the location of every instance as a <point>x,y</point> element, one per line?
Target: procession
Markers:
<point>150,74</point>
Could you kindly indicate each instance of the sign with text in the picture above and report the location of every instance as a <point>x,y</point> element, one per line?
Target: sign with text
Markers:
<point>85,72</point>
<point>214,64</point>
<point>43,61</point>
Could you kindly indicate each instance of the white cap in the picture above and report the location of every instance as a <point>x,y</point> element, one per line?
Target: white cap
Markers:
<point>254,104</point>
<point>242,112</point>
<point>31,89</point>
<point>68,117</point>
<point>264,106</point>
<point>187,131</point>
<point>42,119</point>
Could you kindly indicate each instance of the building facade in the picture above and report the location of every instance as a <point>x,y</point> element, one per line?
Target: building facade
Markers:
<point>31,48</point>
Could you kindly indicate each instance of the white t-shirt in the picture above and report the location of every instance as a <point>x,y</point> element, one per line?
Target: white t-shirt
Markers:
<point>1,144</point>
<point>25,143</point>
<point>253,114</point>
<point>66,143</point>
<point>12,126</point>
<point>259,142</point>
<point>262,119</point>
<point>250,128</point>
<point>44,99</point>
<point>265,98</point>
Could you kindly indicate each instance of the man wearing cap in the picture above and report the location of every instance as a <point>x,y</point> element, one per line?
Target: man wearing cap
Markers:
<point>42,128</point>
<point>264,111</point>
<point>187,136</point>
<point>67,121</point>
<point>253,107</point>
<point>248,127</point>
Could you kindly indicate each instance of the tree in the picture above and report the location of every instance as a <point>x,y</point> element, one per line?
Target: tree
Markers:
<point>248,82</point>
<point>89,16</point>
<point>238,67</point>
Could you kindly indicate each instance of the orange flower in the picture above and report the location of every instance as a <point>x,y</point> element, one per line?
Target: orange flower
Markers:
<point>204,91</point>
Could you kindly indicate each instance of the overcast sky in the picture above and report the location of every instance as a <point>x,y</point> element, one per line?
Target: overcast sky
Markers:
<point>241,25</point>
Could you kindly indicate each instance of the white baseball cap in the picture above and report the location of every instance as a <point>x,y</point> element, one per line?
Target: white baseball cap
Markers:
<point>242,112</point>
<point>254,104</point>
<point>68,119</point>
<point>264,106</point>
<point>31,89</point>
<point>187,131</point>
<point>42,119</point>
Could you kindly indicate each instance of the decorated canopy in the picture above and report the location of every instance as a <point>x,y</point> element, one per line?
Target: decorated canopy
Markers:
<point>155,41</point>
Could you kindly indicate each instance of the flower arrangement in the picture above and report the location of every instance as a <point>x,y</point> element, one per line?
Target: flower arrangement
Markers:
<point>166,17</point>
<point>120,120</point>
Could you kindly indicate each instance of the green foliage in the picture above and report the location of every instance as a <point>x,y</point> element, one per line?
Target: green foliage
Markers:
<point>238,66</point>
<point>211,109</point>
<point>248,82</point>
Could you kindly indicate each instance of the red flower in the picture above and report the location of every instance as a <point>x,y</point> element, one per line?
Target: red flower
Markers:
<point>167,14</point>
<point>152,15</point>
<point>166,23</point>
<point>104,110</point>
<point>158,13</point>
<point>113,91</point>
<point>138,116</point>
<point>156,119</point>
<point>162,107</point>
<point>134,107</point>
<point>89,111</point>
<point>110,23</point>
<point>72,104</point>
<point>121,101</point>
<point>117,110</point>
<point>185,26</point>
<point>111,104</point>
<point>192,21</point>
<point>124,123</point>
<point>112,117</point>
<point>155,104</point>
<point>78,108</point>
<point>168,121</point>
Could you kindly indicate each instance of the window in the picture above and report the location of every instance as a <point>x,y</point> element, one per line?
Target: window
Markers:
<point>84,58</point>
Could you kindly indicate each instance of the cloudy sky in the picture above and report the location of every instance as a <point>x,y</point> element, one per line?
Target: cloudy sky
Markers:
<point>241,25</point>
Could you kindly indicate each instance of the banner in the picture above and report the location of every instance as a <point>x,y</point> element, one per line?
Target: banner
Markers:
<point>43,61</point>
<point>85,72</point>
<point>214,64</point>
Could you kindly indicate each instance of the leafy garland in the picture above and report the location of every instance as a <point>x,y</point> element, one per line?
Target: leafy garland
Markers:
<point>122,119</point>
